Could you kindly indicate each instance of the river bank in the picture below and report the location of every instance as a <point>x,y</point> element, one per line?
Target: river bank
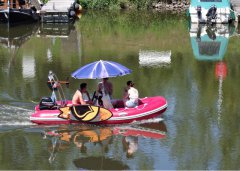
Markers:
<point>164,5</point>
<point>174,6</point>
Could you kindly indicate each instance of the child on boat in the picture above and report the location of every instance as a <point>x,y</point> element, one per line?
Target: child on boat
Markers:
<point>131,95</point>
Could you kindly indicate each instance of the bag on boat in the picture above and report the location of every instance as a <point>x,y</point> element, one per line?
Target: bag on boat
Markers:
<point>106,99</point>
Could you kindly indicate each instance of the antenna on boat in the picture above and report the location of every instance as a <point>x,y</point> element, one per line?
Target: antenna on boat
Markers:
<point>56,86</point>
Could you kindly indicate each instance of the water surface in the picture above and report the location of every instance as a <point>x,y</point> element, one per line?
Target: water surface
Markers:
<point>200,80</point>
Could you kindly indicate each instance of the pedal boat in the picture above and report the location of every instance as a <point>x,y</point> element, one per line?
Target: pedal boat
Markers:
<point>149,107</point>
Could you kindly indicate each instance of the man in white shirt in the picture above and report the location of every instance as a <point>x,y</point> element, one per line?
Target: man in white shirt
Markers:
<point>131,96</point>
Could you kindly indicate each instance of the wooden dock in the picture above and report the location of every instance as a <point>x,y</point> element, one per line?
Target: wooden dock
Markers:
<point>56,11</point>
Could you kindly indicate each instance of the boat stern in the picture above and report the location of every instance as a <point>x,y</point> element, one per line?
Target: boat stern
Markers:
<point>202,11</point>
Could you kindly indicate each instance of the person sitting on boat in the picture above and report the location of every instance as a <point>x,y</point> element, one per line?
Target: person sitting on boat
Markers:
<point>105,86</point>
<point>21,3</point>
<point>81,96</point>
<point>104,93</point>
<point>131,95</point>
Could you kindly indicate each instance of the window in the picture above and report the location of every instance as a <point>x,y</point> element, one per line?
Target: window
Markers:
<point>209,48</point>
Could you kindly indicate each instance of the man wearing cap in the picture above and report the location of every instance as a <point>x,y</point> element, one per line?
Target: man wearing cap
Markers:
<point>131,96</point>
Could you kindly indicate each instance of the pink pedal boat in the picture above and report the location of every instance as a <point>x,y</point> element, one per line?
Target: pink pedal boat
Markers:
<point>149,107</point>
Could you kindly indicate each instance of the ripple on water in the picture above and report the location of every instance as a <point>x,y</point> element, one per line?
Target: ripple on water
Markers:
<point>153,120</point>
<point>12,115</point>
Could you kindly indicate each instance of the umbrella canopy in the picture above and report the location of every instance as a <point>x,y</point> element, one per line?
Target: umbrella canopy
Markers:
<point>101,69</point>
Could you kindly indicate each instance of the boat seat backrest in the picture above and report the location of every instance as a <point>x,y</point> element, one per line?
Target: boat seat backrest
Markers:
<point>140,102</point>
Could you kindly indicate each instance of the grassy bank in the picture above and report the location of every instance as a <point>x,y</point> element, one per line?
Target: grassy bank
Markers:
<point>116,4</point>
<point>121,4</point>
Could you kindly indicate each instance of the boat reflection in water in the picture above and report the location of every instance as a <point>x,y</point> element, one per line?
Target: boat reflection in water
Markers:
<point>60,30</point>
<point>92,140</point>
<point>11,37</point>
<point>20,45</point>
<point>209,42</point>
<point>14,37</point>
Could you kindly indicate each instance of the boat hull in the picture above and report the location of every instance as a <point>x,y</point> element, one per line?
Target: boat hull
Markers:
<point>3,17</point>
<point>150,107</point>
<point>14,16</point>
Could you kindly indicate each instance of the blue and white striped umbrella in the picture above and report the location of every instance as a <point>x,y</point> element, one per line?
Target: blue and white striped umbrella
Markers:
<point>101,69</point>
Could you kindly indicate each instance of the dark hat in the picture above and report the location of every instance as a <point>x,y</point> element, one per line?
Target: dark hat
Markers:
<point>130,83</point>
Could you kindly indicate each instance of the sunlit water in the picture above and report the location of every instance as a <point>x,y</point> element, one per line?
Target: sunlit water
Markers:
<point>195,68</point>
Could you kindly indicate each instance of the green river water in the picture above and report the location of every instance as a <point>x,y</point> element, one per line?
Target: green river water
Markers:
<point>195,68</point>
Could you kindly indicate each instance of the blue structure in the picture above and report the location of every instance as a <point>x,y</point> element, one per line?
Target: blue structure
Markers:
<point>211,11</point>
<point>207,49</point>
<point>208,43</point>
<point>209,3</point>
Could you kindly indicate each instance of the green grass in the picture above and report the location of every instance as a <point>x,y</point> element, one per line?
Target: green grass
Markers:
<point>120,4</point>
